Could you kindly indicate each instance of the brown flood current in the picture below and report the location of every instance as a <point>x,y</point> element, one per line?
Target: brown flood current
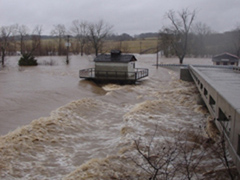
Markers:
<point>87,131</point>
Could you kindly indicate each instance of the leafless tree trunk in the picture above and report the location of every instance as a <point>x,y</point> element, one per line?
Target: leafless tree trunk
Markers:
<point>97,33</point>
<point>223,154</point>
<point>6,36</point>
<point>168,157</point>
<point>190,155</point>
<point>236,41</point>
<point>22,31</point>
<point>36,40</point>
<point>59,31</point>
<point>179,31</point>
<point>201,29</point>
<point>201,32</point>
<point>156,157</point>
<point>79,30</point>
<point>156,161</point>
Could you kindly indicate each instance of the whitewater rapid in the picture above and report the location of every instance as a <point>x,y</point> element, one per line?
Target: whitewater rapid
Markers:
<point>91,132</point>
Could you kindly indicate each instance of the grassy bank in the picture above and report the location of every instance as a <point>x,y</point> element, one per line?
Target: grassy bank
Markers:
<point>147,45</point>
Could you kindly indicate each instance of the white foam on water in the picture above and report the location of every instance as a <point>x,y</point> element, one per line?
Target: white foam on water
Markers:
<point>94,137</point>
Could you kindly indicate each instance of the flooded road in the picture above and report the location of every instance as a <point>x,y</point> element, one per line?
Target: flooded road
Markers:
<point>57,126</point>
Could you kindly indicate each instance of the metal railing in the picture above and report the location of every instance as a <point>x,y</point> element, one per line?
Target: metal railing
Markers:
<point>87,73</point>
<point>141,73</point>
<point>113,75</point>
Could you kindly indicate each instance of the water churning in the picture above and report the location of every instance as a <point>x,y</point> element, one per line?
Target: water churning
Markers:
<point>95,130</point>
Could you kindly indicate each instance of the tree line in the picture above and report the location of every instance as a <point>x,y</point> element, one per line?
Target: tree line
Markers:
<point>206,43</point>
<point>85,37</point>
<point>183,37</point>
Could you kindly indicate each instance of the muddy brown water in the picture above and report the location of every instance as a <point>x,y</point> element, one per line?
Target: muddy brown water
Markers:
<point>54,125</point>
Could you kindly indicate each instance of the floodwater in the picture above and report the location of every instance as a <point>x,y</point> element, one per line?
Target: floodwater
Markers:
<point>54,125</point>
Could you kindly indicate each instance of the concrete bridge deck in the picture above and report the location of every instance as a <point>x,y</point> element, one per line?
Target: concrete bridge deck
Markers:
<point>225,81</point>
<point>220,90</point>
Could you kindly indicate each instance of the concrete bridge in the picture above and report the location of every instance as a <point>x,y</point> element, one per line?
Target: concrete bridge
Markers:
<point>219,87</point>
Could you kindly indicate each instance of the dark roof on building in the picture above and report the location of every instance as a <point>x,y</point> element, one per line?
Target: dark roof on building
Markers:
<point>225,57</point>
<point>115,56</point>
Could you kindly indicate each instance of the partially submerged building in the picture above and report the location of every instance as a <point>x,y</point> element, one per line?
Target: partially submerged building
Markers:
<point>225,59</point>
<point>115,67</point>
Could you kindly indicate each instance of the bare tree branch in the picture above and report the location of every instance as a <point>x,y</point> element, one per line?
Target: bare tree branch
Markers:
<point>22,30</point>
<point>59,31</point>
<point>96,34</point>
<point>79,30</point>
<point>179,31</point>
<point>36,39</point>
<point>6,33</point>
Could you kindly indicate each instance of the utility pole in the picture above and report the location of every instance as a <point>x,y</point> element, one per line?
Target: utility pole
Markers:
<point>67,44</point>
<point>157,57</point>
<point>140,47</point>
<point>158,44</point>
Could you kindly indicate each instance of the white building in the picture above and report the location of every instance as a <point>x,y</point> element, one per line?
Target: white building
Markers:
<point>225,59</point>
<point>114,67</point>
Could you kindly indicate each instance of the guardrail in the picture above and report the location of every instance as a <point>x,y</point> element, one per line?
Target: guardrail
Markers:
<point>178,65</point>
<point>200,65</point>
<point>113,75</point>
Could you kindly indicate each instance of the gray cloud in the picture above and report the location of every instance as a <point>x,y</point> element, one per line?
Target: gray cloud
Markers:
<point>133,17</point>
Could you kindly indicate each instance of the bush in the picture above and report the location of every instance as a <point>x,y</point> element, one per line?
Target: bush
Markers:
<point>27,60</point>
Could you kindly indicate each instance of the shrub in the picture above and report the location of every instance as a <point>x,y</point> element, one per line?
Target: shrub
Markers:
<point>27,60</point>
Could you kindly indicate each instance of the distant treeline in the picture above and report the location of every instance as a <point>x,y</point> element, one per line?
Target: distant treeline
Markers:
<point>200,45</point>
<point>215,43</point>
<point>113,37</point>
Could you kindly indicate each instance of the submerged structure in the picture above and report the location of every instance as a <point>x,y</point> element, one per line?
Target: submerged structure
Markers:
<point>225,59</point>
<point>114,67</point>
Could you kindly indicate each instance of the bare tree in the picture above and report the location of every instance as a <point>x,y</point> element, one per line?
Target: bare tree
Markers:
<point>236,40</point>
<point>59,31</point>
<point>22,30</point>
<point>201,29</point>
<point>36,39</point>
<point>96,34</point>
<point>179,31</point>
<point>164,157</point>
<point>190,155</point>
<point>220,149</point>
<point>6,36</point>
<point>200,33</point>
<point>164,43</point>
<point>79,30</point>
<point>156,161</point>
<point>27,59</point>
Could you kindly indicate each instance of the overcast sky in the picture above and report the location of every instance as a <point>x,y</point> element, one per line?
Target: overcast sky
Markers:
<point>126,16</point>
